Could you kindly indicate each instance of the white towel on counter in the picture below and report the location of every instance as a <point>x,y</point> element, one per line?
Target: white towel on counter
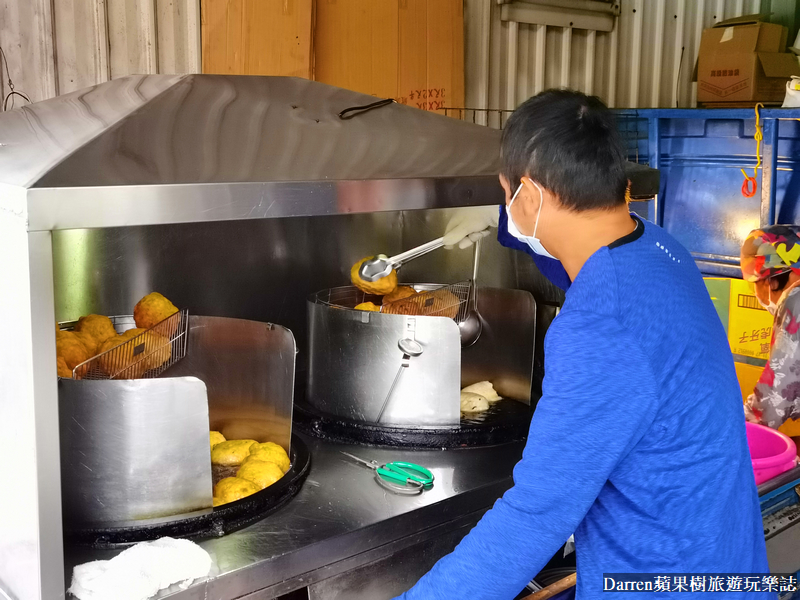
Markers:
<point>141,571</point>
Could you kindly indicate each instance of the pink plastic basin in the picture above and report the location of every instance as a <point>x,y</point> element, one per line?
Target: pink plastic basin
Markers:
<point>772,452</point>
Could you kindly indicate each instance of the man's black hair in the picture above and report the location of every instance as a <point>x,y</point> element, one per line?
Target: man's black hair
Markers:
<point>567,142</point>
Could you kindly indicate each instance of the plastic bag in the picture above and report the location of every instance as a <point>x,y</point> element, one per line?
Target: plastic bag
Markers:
<point>792,97</point>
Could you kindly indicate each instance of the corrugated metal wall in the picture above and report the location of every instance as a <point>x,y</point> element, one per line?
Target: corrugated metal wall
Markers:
<point>647,59</point>
<point>55,47</point>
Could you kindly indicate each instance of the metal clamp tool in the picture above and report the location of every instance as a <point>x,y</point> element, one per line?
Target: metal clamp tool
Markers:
<point>398,477</point>
<point>381,266</point>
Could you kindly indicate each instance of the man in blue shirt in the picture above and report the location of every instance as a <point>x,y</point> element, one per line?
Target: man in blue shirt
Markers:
<point>638,443</point>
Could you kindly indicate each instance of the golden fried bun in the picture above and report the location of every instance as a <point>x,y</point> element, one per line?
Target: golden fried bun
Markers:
<point>98,327</point>
<point>130,362</point>
<point>400,292</point>
<point>63,369</point>
<point>272,453</point>
<point>215,437</point>
<point>231,453</point>
<point>217,501</point>
<point>153,309</point>
<point>70,346</point>
<point>440,303</point>
<point>260,472</point>
<point>384,285</point>
<point>368,306</point>
<point>234,488</point>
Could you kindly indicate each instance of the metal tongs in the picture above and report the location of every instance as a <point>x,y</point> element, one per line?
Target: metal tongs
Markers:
<point>380,266</point>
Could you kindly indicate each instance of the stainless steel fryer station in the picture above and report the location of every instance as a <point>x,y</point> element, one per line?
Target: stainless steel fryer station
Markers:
<point>239,198</point>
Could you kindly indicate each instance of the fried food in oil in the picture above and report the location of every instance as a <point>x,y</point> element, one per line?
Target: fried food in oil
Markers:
<point>215,437</point>
<point>231,453</point>
<point>231,489</point>
<point>270,452</point>
<point>260,472</point>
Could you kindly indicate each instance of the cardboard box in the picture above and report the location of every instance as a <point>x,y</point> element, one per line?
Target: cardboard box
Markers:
<point>744,59</point>
<point>411,50</point>
<point>747,323</point>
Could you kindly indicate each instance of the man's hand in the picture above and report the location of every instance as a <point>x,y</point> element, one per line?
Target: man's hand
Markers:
<point>469,224</point>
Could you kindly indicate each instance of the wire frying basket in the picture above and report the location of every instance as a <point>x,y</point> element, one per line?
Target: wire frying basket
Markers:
<point>431,300</point>
<point>144,356</point>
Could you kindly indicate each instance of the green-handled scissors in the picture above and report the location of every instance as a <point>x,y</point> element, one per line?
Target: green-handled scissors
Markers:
<point>399,477</point>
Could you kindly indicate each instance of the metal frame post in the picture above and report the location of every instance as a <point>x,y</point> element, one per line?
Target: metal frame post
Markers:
<point>31,542</point>
<point>769,168</point>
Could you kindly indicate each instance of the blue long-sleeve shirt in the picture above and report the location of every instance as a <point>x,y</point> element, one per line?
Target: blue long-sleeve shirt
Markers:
<point>637,445</point>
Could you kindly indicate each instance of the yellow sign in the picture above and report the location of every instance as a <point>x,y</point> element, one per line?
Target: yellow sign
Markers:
<point>749,324</point>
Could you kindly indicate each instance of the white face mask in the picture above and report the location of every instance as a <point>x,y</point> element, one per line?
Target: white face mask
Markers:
<point>533,242</point>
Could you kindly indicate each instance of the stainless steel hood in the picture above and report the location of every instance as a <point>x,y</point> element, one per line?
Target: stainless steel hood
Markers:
<point>133,151</point>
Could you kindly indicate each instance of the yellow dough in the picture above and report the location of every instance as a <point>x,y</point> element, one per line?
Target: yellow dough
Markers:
<point>215,437</point>
<point>231,453</point>
<point>473,403</point>
<point>260,472</point>
<point>270,452</point>
<point>485,389</point>
<point>234,488</point>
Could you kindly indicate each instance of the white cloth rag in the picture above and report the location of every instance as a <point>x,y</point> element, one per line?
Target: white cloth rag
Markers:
<point>141,571</point>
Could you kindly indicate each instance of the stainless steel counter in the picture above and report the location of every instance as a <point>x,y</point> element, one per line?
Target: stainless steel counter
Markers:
<point>342,520</point>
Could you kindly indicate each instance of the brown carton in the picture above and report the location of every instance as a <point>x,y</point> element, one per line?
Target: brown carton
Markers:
<point>744,60</point>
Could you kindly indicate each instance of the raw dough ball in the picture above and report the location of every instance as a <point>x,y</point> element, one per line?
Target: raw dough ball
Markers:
<point>270,452</point>
<point>215,437</point>
<point>234,488</point>
<point>381,287</point>
<point>98,327</point>
<point>400,292</point>
<point>368,306</point>
<point>231,453</point>
<point>260,472</point>
<point>153,309</point>
<point>485,389</point>
<point>473,403</point>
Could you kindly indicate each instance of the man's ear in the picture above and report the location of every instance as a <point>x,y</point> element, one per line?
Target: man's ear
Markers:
<point>506,187</point>
<point>529,196</point>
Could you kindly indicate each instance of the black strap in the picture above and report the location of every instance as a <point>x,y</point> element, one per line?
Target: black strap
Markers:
<point>357,110</point>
